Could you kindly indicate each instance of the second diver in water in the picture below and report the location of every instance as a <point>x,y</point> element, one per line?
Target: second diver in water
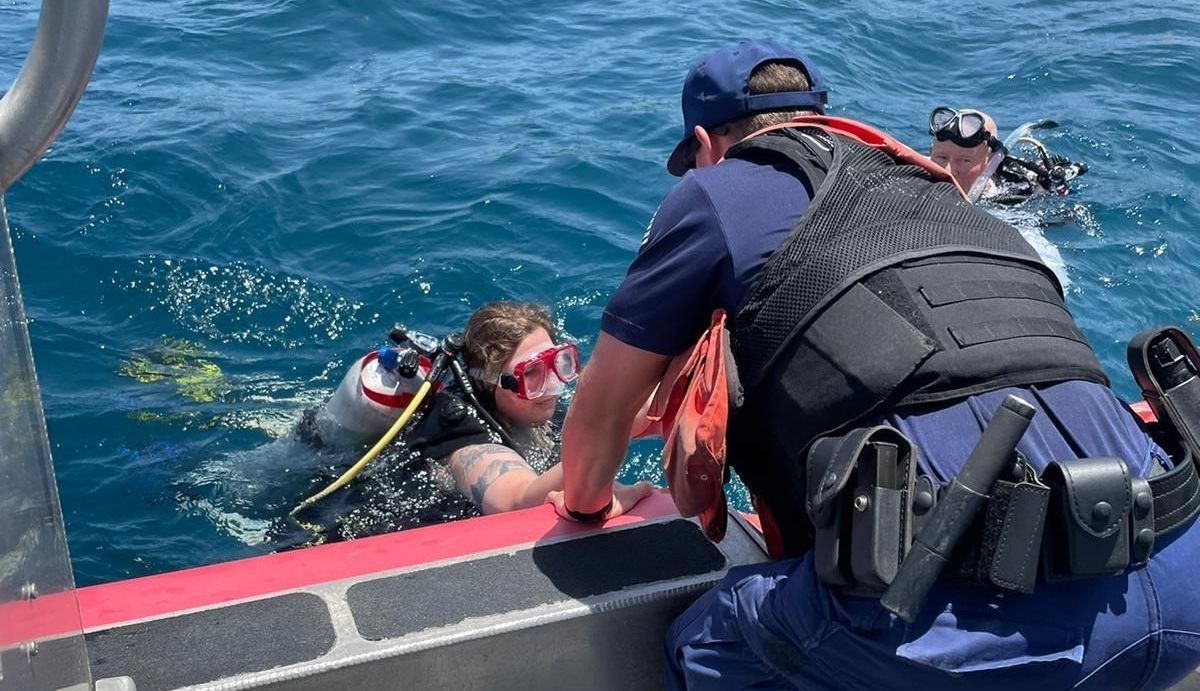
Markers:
<point>965,142</point>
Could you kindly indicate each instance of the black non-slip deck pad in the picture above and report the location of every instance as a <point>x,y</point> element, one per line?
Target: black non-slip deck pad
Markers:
<point>214,644</point>
<point>398,605</point>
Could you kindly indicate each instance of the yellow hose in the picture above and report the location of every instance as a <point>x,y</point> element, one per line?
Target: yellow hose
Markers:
<point>372,453</point>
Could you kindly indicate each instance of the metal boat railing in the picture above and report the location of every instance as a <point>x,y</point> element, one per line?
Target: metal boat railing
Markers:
<point>37,589</point>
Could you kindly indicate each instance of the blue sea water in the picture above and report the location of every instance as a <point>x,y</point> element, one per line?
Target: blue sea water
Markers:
<point>251,192</point>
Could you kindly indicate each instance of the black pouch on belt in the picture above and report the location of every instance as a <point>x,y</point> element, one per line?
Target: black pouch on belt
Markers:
<point>1087,533</point>
<point>1009,539</point>
<point>859,499</point>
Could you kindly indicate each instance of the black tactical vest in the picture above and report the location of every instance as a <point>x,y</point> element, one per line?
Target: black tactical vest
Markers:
<point>890,291</point>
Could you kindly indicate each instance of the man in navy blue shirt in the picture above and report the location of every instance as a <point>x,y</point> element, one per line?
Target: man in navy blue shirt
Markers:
<point>718,226</point>
<point>704,247</point>
<point>706,243</point>
<point>778,625</point>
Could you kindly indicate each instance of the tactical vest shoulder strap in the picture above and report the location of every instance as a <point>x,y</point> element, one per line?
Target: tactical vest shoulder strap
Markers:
<point>807,152</point>
<point>869,211</point>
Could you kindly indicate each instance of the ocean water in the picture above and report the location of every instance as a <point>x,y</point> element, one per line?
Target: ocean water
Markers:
<point>252,192</point>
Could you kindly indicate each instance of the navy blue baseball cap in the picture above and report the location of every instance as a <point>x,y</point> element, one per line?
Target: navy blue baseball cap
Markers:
<point>717,90</point>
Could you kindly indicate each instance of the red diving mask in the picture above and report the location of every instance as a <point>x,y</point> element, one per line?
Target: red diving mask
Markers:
<point>543,374</point>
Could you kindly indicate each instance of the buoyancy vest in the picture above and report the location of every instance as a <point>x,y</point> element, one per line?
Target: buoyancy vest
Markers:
<point>890,291</point>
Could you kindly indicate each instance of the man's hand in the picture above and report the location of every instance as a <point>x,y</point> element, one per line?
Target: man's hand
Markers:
<point>624,498</point>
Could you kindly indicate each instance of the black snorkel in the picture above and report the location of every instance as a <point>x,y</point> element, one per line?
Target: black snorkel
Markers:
<point>464,382</point>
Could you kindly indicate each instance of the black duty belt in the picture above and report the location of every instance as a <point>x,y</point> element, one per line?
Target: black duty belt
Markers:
<point>1080,518</point>
<point>1085,517</point>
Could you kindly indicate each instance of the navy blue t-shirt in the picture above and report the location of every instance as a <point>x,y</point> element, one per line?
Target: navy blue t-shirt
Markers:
<point>705,246</point>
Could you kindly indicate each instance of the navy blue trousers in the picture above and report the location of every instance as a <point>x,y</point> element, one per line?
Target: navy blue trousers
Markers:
<point>776,626</point>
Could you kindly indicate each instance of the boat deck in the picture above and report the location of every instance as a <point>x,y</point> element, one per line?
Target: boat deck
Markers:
<point>512,601</point>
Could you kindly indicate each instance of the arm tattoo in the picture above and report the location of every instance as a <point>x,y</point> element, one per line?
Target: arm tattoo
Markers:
<point>497,468</point>
<point>468,457</point>
<point>494,459</point>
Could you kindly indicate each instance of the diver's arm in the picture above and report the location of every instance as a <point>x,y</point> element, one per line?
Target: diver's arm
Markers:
<point>612,389</point>
<point>497,479</point>
<point>535,492</point>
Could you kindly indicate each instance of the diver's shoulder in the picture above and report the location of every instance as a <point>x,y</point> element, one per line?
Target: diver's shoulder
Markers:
<point>450,423</point>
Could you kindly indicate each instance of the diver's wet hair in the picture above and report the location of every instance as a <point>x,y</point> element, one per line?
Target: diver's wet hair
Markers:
<point>496,329</point>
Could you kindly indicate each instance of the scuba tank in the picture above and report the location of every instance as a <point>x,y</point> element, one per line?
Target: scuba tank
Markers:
<point>375,391</point>
<point>380,395</point>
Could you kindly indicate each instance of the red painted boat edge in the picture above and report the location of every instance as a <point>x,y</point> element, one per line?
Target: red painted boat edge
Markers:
<point>148,597</point>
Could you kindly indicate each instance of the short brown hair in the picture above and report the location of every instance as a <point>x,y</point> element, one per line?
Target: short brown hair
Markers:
<point>770,78</point>
<point>496,329</point>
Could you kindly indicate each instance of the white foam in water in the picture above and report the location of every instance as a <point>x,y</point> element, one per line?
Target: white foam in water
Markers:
<point>1031,226</point>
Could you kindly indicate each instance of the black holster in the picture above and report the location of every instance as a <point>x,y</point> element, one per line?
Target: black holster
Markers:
<point>1004,547</point>
<point>860,502</point>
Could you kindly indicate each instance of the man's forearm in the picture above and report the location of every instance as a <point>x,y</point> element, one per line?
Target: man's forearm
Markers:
<point>595,442</point>
<point>612,389</point>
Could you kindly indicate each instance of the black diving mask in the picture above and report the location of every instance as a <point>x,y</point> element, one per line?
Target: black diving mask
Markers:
<point>966,128</point>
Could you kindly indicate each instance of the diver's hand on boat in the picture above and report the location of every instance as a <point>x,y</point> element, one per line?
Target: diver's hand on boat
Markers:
<point>625,497</point>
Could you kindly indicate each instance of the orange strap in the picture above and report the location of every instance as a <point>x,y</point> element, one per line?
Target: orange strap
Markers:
<point>868,136</point>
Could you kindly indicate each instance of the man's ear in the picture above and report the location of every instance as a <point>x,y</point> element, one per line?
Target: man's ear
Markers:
<point>705,156</point>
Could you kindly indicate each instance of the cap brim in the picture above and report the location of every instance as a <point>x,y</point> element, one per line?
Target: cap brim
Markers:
<point>678,163</point>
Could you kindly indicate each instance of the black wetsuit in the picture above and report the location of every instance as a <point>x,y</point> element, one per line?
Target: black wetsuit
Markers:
<point>410,484</point>
<point>1018,180</point>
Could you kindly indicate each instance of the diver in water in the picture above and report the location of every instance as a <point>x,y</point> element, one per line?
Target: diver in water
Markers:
<point>519,373</point>
<point>965,142</point>
<point>488,444</point>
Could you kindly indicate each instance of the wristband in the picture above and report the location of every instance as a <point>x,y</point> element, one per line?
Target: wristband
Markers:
<point>590,517</point>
